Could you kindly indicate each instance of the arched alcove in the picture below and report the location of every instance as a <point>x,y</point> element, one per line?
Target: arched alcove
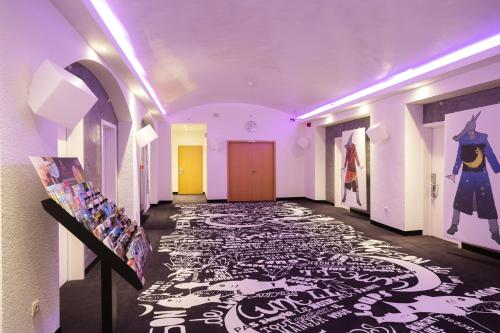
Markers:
<point>110,114</point>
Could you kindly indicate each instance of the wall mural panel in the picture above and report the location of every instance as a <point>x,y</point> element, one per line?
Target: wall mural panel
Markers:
<point>354,168</point>
<point>472,189</point>
<point>280,267</point>
<point>331,133</point>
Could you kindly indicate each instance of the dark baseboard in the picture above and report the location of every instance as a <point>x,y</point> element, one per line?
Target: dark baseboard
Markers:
<point>363,213</point>
<point>58,330</point>
<point>90,266</point>
<point>396,230</point>
<point>281,199</point>
<point>481,250</point>
<point>164,202</point>
<point>304,198</point>
<point>174,193</point>
<point>216,200</point>
<point>289,198</point>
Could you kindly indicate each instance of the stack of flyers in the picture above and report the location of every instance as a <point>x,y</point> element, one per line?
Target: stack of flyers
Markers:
<point>66,184</point>
<point>100,231</point>
<point>113,236</point>
<point>138,251</point>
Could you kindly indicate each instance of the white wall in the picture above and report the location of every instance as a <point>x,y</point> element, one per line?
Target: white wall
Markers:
<point>417,168</point>
<point>189,138</point>
<point>29,243</point>
<point>314,169</point>
<point>272,125</point>
<point>164,162</point>
<point>400,166</point>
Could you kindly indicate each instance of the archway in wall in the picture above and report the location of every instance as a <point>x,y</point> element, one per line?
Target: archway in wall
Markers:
<point>105,144</point>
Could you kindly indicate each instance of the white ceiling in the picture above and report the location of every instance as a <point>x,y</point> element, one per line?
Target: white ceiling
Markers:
<point>291,54</point>
<point>189,127</point>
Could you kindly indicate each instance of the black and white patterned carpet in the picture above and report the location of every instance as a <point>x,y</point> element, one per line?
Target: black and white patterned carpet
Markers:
<point>281,267</point>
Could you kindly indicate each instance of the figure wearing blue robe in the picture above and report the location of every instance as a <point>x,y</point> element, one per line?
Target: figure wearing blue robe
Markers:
<point>474,192</point>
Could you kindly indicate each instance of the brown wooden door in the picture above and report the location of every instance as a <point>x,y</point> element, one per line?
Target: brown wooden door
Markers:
<point>251,171</point>
<point>262,171</point>
<point>239,171</point>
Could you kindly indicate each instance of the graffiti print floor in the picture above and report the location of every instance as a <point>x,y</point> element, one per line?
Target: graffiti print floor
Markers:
<point>284,267</point>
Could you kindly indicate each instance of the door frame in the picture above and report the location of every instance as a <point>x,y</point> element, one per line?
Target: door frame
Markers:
<point>107,125</point>
<point>252,141</point>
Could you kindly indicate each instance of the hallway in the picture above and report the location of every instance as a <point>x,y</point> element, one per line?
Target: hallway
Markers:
<point>293,267</point>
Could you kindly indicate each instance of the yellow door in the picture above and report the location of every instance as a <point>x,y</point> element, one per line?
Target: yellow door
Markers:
<point>190,169</point>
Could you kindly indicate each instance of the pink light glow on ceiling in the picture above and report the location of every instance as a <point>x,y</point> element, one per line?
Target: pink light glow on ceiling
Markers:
<point>120,35</point>
<point>466,52</point>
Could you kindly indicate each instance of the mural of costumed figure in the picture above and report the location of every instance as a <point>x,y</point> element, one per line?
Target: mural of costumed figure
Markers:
<point>474,191</point>
<point>351,176</point>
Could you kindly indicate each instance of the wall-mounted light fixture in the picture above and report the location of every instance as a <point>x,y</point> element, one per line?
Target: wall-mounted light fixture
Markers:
<point>145,136</point>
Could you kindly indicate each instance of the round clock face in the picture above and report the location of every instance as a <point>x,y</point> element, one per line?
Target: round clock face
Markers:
<point>251,126</point>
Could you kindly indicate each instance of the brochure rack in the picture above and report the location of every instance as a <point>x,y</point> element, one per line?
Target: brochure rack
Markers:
<point>109,262</point>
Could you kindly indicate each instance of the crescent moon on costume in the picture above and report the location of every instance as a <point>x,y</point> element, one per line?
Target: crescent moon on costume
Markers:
<point>477,162</point>
<point>234,324</point>
<point>427,279</point>
<point>148,308</point>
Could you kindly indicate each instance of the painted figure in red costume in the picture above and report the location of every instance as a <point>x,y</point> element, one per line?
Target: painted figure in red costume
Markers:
<point>351,176</point>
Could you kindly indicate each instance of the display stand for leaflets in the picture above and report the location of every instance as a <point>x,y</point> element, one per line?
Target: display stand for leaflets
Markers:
<point>109,262</point>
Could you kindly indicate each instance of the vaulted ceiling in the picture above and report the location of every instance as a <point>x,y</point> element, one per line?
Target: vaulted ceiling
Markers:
<point>291,54</point>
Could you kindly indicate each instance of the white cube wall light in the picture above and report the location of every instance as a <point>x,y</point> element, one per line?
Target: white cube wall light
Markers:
<point>303,142</point>
<point>377,133</point>
<point>145,135</point>
<point>59,96</point>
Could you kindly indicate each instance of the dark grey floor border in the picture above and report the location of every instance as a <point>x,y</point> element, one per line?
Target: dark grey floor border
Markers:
<point>279,199</point>
<point>91,265</point>
<point>305,198</point>
<point>396,230</point>
<point>481,250</point>
<point>58,330</point>
<point>216,200</point>
<point>360,212</point>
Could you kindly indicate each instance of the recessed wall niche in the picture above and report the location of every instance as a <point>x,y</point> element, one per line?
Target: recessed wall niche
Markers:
<point>102,110</point>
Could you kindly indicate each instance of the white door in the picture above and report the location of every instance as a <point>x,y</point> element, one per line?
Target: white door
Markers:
<point>437,168</point>
<point>109,166</point>
<point>338,173</point>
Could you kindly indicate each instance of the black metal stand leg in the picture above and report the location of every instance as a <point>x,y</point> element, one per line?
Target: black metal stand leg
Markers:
<point>108,299</point>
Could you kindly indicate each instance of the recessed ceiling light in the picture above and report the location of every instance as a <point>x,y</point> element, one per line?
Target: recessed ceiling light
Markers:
<point>466,52</point>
